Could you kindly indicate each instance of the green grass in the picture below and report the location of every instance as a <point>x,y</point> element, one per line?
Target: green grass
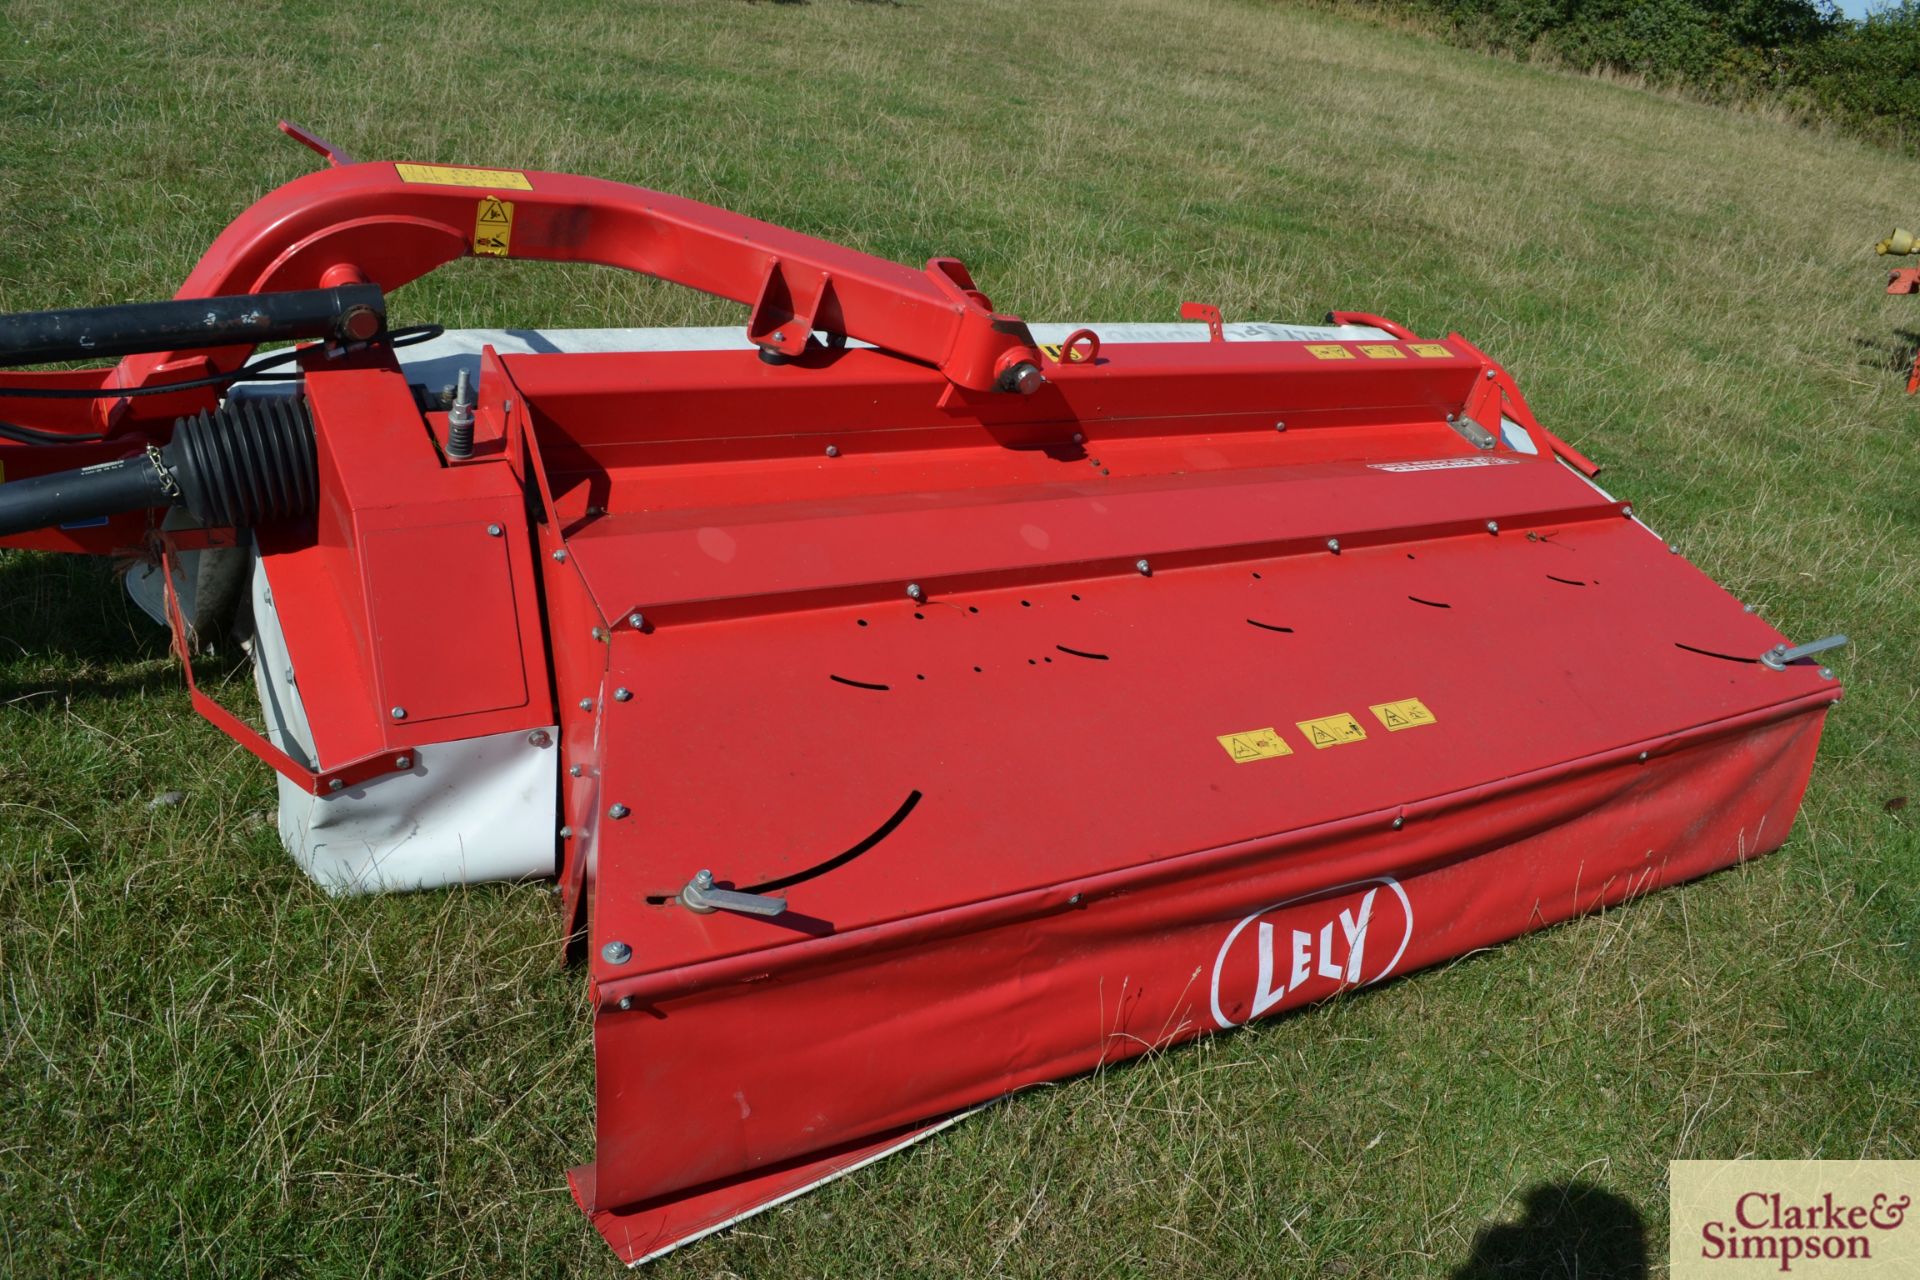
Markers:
<point>209,1068</point>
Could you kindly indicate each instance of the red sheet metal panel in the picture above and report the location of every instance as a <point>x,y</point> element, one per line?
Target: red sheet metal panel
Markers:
<point>1216,709</point>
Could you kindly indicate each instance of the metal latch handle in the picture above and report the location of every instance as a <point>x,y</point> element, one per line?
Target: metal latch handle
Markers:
<point>701,896</point>
<point>1780,656</point>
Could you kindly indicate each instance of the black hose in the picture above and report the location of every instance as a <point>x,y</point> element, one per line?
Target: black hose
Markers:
<point>247,463</point>
<point>349,313</point>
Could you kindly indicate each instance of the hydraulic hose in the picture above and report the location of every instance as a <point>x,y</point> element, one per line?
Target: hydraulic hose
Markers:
<point>347,313</point>
<point>247,463</point>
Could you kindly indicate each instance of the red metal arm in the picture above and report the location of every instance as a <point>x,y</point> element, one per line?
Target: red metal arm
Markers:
<point>369,221</point>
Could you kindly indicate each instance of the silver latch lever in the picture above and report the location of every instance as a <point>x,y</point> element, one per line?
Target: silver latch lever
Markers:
<point>701,896</point>
<point>1779,657</point>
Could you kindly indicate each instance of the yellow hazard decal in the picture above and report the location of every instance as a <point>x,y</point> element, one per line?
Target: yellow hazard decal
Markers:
<point>1255,744</point>
<point>442,175</point>
<point>1408,713</point>
<point>493,226</point>
<point>1332,731</point>
<point>1382,351</point>
<point>1429,350</point>
<point>1328,351</point>
<point>1051,350</point>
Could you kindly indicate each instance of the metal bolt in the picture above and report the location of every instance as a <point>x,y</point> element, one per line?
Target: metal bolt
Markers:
<point>1826,673</point>
<point>586,704</point>
<point>623,695</point>
<point>1627,512</point>
<point>1025,379</point>
<point>403,762</point>
<point>335,784</point>
<point>1333,545</point>
<point>540,738</point>
<point>1493,526</point>
<point>636,620</point>
<point>1143,567</point>
<point>566,833</point>
<point>1643,755</point>
<point>1450,418</point>
<point>1076,899</point>
<point>398,713</point>
<point>494,531</point>
<point>833,451</point>
<point>616,952</point>
<point>574,771</point>
<point>1673,548</point>
<point>559,555</point>
<point>779,335</point>
<point>703,879</point>
<point>618,811</point>
<point>626,1002</point>
<point>1399,823</point>
<point>1079,437</point>
<point>599,633</point>
<point>914,592</point>
<point>1279,426</point>
<point>1489,375</point>
<point>1753,608</point>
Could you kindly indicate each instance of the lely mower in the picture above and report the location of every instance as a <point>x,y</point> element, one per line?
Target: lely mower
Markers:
<point>913,705</point>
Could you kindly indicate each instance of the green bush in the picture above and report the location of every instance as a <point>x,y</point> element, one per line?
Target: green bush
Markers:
<point>1864,75</point>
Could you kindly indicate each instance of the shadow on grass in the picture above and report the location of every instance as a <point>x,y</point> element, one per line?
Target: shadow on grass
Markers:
<point>1893,354</point>
<point>1570,1229</point>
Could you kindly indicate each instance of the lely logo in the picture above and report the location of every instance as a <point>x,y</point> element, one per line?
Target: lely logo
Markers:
<point>1309,947</point>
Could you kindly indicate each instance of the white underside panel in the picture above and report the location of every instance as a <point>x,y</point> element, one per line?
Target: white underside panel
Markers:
<point>472,810</point>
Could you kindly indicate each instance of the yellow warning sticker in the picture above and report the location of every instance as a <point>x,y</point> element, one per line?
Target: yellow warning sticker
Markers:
<point>1255,744</point>
<point>1382,351</point>
<point>1408,713</point>
<point>1332,731</point>
<point>1328,351</point>
<point>443,175</point>
<point>1051,350</point>
<point>493,226</point>
<point>1429,350</point>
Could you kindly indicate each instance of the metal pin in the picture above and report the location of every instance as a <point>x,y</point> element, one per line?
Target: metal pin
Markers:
<point>833,451</point>
<point>586,704</point>
<point>403,762</point>
<point>335,784</point>
<point>616,952</point>
<point>1643,755</point>
<point>560,555</point>
<point>1493,526</point>
<point>626,1002</point>
<point>566,833</point>
<point>1143,566</point>
<point>398,713</point>
<point>1627,512</point>
<point>1333,545</point>
<point>623,695</point>
<point>636,620</point>
<point>618,811</point>
<point>494,531</point>
<point>1279,426</point>
<point>1489,375</point>
<point>1673,548</point>
<point>1399,823</point>
<point>1076,899</point>
<point>914,592</point>
<point>574,771</point>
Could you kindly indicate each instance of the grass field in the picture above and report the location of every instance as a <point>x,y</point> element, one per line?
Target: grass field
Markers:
<point>209,1068</point>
